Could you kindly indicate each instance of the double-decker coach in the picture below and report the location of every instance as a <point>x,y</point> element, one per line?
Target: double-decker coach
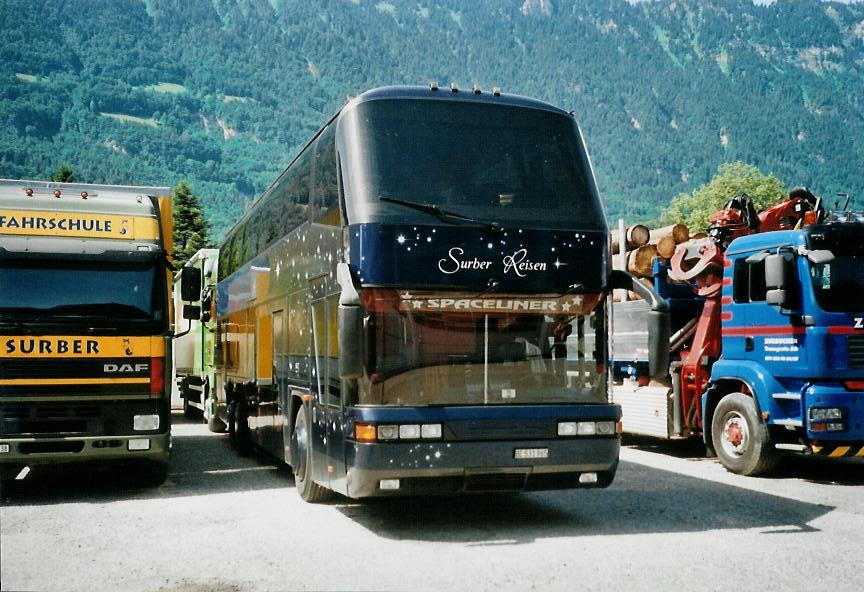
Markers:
<point>418,304</point>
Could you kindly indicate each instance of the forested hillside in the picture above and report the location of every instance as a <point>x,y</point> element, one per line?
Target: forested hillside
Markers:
<point>223,92</point>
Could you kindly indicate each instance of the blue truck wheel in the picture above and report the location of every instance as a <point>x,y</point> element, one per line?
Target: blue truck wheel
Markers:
<point>741,440</point>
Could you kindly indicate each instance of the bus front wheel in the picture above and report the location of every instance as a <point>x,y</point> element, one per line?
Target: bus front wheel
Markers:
<point>302,455</point>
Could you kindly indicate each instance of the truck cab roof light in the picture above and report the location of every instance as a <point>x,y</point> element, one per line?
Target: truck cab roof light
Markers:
<point>453,87</point>
<point>476,89</point>
<point>29,192</point>
<point>57,193</point>
<point>496,90</point>
<point>433,85</point>
<point>84,195</point>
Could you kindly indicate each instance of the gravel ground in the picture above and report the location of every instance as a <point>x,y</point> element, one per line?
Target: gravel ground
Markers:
<point>221,522</point>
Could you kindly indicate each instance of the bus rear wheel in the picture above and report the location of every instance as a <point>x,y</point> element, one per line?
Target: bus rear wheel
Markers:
<point>741,440</point>
<point>302,455</point>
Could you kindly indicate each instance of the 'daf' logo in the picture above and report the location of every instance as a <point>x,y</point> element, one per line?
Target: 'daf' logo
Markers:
<point>124,368</point>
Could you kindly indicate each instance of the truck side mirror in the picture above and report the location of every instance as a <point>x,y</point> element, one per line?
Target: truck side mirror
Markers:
<point>659,333</point>
<point>190,284</point>
<point>778,277</point>
<point>350,342</point>
<point>191,312</point>
<point>658,321</point>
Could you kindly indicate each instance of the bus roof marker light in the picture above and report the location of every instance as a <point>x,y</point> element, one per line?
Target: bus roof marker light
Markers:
<point>433,85</point>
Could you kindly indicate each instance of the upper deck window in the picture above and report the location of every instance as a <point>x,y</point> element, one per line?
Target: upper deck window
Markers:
<point>514,166</point>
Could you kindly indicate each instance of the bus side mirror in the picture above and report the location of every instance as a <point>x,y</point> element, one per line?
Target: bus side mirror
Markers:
<point>658,343</point>
<point>190,285</point>
<point>778,277</point>
<point>350,342</point>
<point>191,312</point>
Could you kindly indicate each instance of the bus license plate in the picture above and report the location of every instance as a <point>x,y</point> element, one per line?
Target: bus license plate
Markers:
<point>526,453</point>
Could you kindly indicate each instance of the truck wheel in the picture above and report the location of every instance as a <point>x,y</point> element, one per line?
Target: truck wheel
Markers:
<point>300,441</point>
<point>152,473</point>
<point>215,425</point>
<point>241,437</point>
<point>741,440</point>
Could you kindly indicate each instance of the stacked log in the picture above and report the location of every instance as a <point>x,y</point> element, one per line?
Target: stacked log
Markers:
<point>642,246</point>
<point>635,237</point>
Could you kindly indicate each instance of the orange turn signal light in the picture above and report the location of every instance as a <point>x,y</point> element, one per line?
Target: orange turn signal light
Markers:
<point>810,217</point>
<point>363,432</point>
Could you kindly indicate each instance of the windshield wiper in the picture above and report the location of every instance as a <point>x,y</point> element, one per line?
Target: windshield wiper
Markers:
<point>439,212</point>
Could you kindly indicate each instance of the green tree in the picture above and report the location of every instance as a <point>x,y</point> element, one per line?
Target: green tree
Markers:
<point>191,228</point>
<point>695,209</point>
<point>63,175</point>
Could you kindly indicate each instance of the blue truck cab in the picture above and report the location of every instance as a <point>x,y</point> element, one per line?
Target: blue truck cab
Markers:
<point>791,375</point>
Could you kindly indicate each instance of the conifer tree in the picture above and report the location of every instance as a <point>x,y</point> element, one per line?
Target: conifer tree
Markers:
<point>63,174</point>
<point>190,226</point>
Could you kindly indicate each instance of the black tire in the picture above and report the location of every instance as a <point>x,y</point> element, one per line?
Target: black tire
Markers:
<point>152,473</point>
<point>215,425</point>
<point>241,437</point>
<point>302,456</point>
<point>741,441</point>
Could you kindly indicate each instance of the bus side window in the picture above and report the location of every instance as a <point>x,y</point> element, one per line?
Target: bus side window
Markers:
<point>326,185</point>
<point>296,190</point>
<point>299,338</point>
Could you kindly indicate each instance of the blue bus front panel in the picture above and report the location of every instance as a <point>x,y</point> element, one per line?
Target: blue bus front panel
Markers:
<point>482,449</point>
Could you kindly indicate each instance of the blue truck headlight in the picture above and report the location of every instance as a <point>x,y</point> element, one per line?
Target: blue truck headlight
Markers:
<point>825,413</point>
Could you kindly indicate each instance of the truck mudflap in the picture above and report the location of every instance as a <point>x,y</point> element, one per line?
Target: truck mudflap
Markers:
<point>834,450</point>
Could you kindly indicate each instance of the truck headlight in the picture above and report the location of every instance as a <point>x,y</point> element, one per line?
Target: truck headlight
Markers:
<point>142,423</point>
<point>825,413</point>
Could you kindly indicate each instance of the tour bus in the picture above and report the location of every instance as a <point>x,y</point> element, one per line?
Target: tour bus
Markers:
<point>418,303</point>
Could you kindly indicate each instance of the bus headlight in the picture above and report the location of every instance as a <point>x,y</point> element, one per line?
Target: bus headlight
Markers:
<point>409,432</point>
<point>388,432</point>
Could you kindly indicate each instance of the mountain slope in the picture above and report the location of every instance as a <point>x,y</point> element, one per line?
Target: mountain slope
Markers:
<point>223,92</point>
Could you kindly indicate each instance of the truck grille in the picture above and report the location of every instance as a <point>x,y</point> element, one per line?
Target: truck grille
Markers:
<point>47,419</point>
<point>855,350</point>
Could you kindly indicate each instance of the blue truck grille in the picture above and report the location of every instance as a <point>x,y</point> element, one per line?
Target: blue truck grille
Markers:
<point>855,350</point>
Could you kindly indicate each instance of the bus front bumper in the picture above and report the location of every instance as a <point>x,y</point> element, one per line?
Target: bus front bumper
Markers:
<point>446,468</point>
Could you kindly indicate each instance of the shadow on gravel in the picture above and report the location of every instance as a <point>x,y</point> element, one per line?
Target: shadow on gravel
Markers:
<point>201,463</point>
<point>794,466</point>
<point>642,500</point>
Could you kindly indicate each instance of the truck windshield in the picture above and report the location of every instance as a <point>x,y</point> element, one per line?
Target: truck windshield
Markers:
<point>839,284</point>
<point>75,292</point>
<point>446,350</point>
<point>513,166</point>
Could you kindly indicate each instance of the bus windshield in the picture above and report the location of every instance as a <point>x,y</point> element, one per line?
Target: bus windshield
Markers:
<point>507,165</point>
<point>425,355</point>
<point>70,292</point>
<point>839,284</point>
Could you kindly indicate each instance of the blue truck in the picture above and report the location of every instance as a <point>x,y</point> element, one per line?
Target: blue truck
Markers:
<point>767,344</point>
